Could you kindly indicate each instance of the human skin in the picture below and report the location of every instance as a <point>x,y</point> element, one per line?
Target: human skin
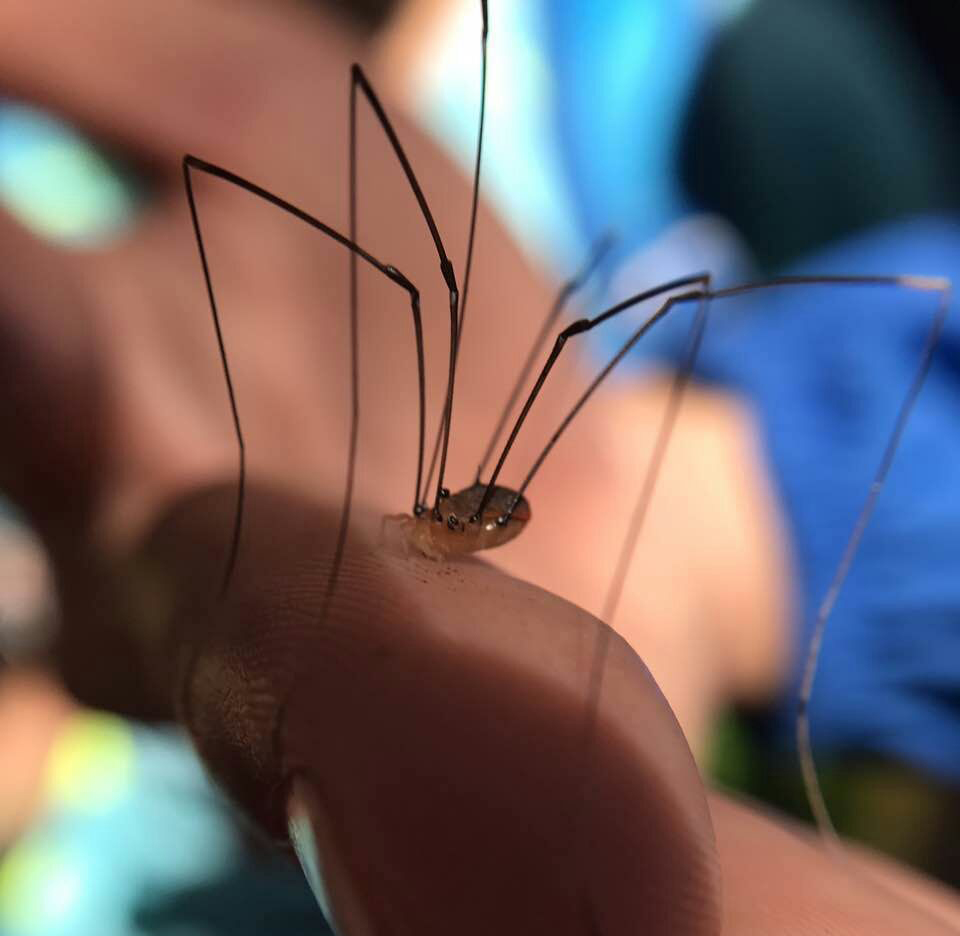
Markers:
<point>115,417</point>
<point>115,399</point>
<point>434,720</point>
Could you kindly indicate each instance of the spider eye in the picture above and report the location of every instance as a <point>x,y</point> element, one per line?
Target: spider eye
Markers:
<point>453,522</point>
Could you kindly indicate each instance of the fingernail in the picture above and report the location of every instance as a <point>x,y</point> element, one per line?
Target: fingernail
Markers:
<point>311,834</point>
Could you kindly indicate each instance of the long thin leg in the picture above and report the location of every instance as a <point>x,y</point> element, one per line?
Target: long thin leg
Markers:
<point>468,266</point>
<point>359,80</point>
<point>578,328</point>
<point>392,273</point>
<point>601,647</point>
<point>475,198</point>
<point>808,767</point>
<point>231,393</point>
<point>662,312</point>
<point>920,283</point>
<point>354,306</point>
<point>565,294</point>
<point>679,384</point>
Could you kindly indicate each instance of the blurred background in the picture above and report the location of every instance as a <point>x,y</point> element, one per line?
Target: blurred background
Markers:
<point>745,138</point>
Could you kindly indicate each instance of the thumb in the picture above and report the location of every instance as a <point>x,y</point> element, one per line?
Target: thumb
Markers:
<point>427,735</point>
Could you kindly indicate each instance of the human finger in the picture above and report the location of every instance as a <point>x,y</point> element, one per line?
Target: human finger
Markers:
<point>429,730</point>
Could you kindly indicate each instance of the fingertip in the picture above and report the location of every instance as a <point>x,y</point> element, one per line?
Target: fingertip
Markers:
<point>461,791</point>
<point>438,712</point>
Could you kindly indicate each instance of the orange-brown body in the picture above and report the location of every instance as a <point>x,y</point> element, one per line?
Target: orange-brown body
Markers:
<point>452,533</point>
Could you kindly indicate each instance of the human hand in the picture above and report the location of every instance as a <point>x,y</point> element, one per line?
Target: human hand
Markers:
<point>119,398</point>
<point>116,406</point>
<point>115,400</point>
<point>431,728</point>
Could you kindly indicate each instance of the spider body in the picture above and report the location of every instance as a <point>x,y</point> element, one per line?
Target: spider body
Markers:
<point>455,528</point>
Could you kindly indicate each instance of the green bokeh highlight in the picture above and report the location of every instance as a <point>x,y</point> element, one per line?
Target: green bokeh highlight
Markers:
<point>58,183</point>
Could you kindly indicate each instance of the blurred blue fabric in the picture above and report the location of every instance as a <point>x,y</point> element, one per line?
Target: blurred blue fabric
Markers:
<point>826,370</point>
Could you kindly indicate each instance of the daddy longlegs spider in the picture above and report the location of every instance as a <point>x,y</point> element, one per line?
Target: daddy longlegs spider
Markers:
<point>486,514</point>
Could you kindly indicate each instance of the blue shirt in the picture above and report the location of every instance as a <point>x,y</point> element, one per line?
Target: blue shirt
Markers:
<point>826,370</point>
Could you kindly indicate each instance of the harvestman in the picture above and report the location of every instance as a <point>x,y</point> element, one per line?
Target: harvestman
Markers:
<point>486,515</point>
